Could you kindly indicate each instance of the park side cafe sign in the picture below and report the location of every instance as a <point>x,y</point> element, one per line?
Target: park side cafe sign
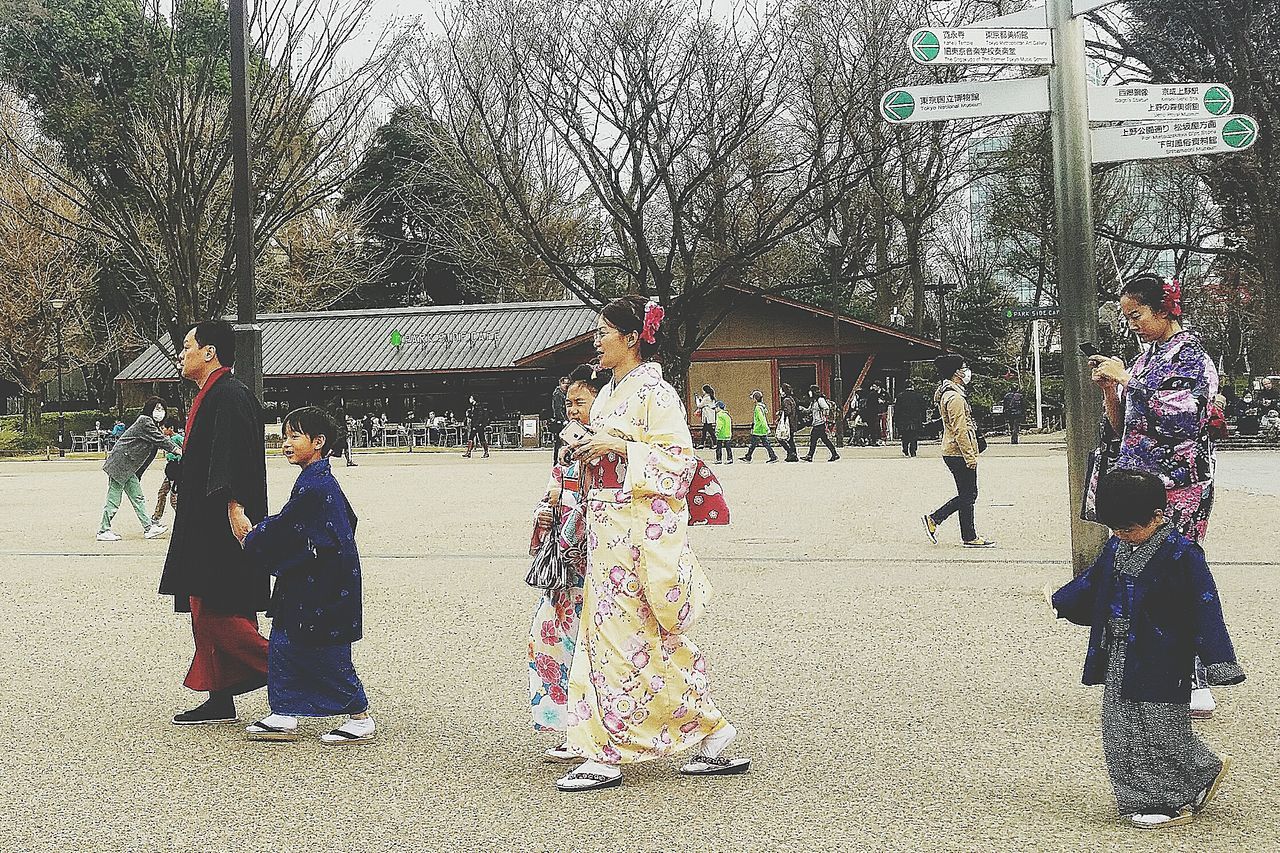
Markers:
<point>1150,140</point>
<point>982,46</point>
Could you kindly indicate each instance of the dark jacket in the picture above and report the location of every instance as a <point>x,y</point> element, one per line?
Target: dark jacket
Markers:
<point>223,459</point>
<point>909,409</point>
<point>1176,616</point>
<point>135,449</point>
<point>1014,406</point>
<point>791,411</point>
<point>557,406</point>
<point>310,546</point>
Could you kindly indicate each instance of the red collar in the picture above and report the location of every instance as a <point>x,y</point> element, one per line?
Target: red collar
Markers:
<point>204,389</point>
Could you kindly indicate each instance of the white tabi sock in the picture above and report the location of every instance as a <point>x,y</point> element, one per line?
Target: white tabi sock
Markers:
<point>280,721</point>
<point>360,728</point>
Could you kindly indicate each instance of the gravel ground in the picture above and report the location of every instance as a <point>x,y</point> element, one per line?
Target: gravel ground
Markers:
<point>894,695</point>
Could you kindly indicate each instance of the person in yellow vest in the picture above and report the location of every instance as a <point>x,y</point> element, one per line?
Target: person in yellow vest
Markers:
<point>724,432</point>
<point>759,428</point>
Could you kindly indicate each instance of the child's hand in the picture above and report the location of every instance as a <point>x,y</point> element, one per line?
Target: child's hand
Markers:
<point>1048,598</point>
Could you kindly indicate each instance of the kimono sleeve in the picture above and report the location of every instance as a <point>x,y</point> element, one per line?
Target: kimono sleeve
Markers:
<point>660,469</point>
<point>1213,644</point>
<point>1178,407</point>
<point>279,542</point>
<point>1075,602</point>
<point>230,471</point>
<point>660,461</point>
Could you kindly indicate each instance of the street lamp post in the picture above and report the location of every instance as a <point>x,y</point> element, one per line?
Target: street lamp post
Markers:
<point>58,305</point>
<point>834,251</point>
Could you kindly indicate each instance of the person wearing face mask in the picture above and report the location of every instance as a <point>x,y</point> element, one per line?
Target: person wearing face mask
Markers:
<point>959,450</point>
<point>135,448</point>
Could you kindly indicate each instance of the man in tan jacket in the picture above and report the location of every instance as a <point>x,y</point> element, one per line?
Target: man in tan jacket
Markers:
<point>959,450</point>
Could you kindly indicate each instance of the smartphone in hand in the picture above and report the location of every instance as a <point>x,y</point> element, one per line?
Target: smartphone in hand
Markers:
<point>573,433</point>
<point>1089,349</point>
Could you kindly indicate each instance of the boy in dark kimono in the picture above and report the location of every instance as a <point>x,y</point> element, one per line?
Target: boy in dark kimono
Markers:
<point>310,548</point>
<point>1151,606</point>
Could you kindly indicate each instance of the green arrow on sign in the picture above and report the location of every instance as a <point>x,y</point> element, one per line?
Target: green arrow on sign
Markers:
<point>898,105</point>
<point>1218,101</point>
<point>396,338</point>
<point>1240,132</point>
<point>925,46</point>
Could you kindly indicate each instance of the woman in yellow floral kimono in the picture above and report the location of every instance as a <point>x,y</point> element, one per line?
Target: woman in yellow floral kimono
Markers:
<point>638,685</point>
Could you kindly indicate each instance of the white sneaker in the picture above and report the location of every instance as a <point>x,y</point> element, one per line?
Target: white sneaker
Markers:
<point>109,536</point>
<point>1202,703</point>
<point>1159,820</point>
<point>155,531</point>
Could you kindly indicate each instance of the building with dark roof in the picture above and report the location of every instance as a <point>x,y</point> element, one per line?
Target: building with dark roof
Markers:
<point>396,360</point>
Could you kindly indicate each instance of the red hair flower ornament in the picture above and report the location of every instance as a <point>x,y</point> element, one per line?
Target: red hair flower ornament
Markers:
<point>1172,304</point>
<point>653,315</point>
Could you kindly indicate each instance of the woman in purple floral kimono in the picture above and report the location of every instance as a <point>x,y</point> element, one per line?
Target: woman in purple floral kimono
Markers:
<point>1157,414</point>
<point>1158,407</point>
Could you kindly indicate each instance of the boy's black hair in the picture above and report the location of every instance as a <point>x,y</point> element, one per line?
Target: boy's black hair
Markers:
<point>313,422</point>
<point>1128,498</point>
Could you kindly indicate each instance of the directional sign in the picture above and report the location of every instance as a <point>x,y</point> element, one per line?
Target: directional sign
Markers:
<point>1080,7</point>
<point>969,46</point>
<point>1149,140</point>
<point>1033,16</point>
<point>1180,101</point>
<point>1037,313</point>
<point>965,100</point>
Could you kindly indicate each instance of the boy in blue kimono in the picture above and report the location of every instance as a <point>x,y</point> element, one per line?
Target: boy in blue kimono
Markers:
<point>1151,606</point>
<point>310,548</point>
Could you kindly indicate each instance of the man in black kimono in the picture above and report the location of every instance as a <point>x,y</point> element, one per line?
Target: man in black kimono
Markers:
<point>224,482</point>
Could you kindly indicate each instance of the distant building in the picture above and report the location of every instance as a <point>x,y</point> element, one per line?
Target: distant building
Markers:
<point>392,361</point>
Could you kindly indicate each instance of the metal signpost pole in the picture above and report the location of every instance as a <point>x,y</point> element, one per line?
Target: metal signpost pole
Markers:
<point>1035,342</point>
<point>248,366</point>
<point>1077,287</point>
<point>837,401</point>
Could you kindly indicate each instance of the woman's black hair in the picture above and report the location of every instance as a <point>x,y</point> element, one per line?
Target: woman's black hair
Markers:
<point>1128,498</point>
<point>786,388</point>
<point>313,422</point>
<point>1148,289</point>
<point>626,314</point>
<point>585,374</point>
<point>150,406</point>
<point>710,391</point>
<point>814,389</point>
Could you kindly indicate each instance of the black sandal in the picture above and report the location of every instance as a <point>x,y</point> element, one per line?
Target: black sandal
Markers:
<point>342,738</point>
<point>270,733</point>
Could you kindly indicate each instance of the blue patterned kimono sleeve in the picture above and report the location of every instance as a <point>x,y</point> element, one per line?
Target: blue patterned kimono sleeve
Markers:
<point>1213,643</point>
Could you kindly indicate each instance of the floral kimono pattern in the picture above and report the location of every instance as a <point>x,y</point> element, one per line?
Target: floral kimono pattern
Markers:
<point>1166,427</point>
<point>554,632</point>
<point>638,686</point>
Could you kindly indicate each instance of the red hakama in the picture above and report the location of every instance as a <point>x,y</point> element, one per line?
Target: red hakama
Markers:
<point>229,651</point>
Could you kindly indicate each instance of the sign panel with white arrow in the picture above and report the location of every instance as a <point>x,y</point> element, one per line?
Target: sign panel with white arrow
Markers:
<point>965,100</point>
<point>1150,140</point>
<point>982,46</point>
<point>1081,7</point>
<point>1159,102</point>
